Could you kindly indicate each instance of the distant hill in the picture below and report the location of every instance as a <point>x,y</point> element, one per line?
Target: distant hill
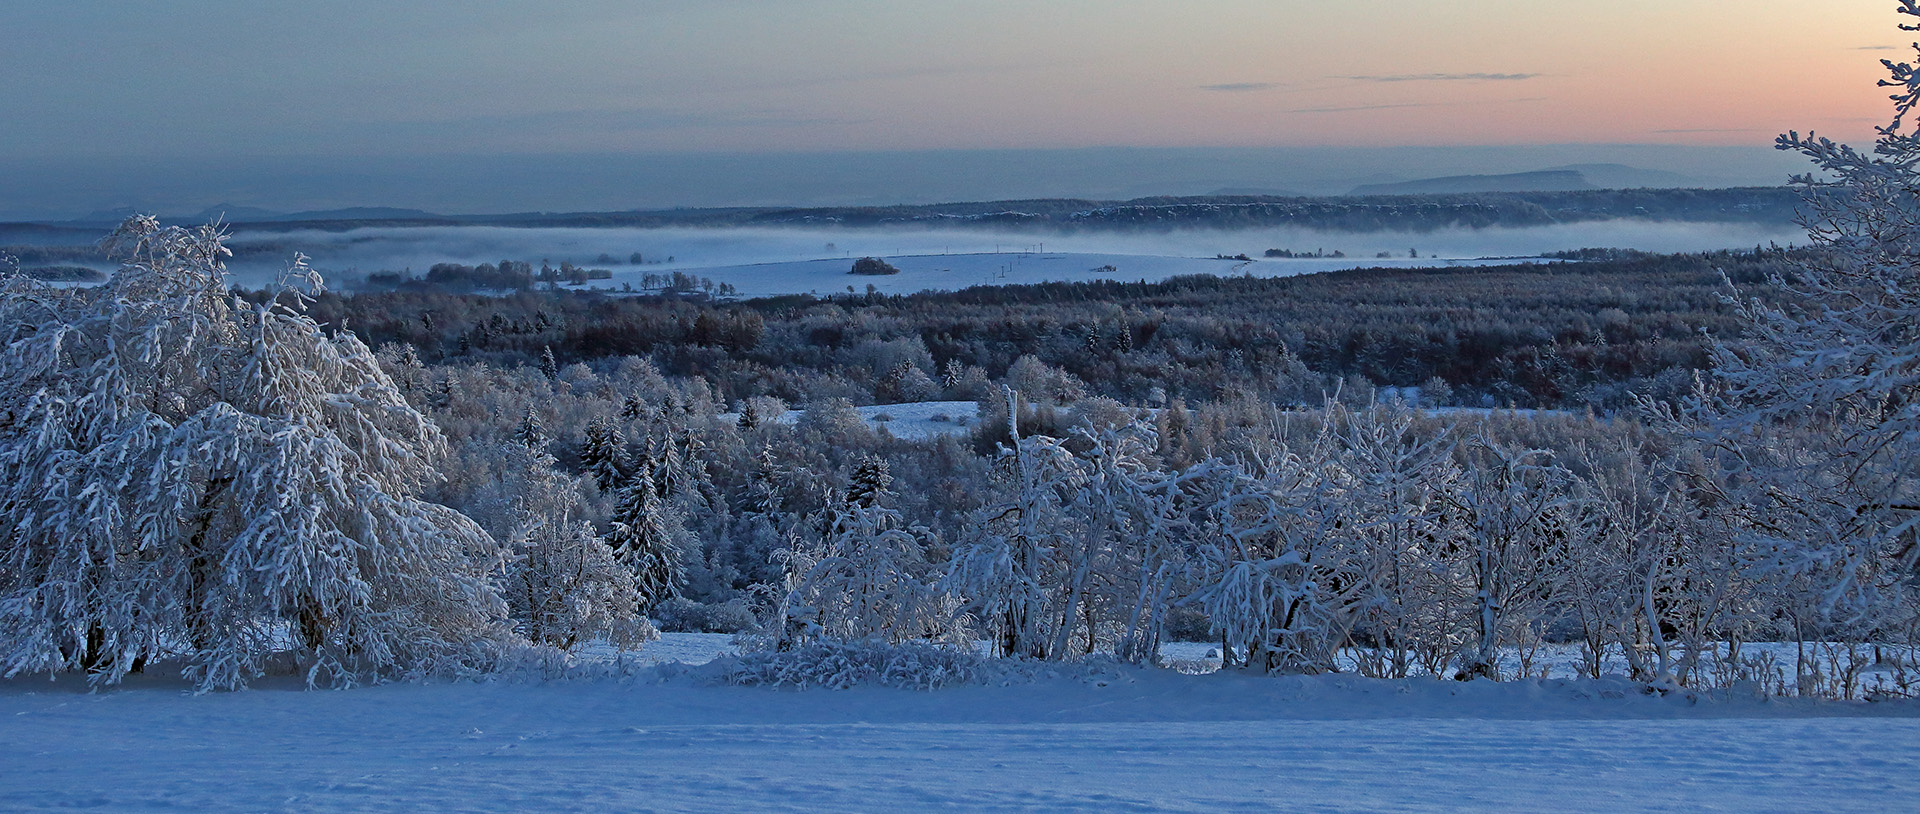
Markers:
<point>1416,212</point>
<point>1621,176</point>
<point>1244,192</point>
<point>349,213</point>
<point>1566,180</point>
<point>236,214</point>
<point>1570,178</point>
<point>228,213</point>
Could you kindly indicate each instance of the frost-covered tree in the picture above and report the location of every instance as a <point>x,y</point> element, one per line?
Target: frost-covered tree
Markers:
<point>1609,574</point>
<point>603,454</point>
<point>187,474</point>
<point>1517,511</point>
<point>1010,565</point>
<point>403,363</point>
<point>563,584</point>
<point>1410,531</point>
<point>1136,544</point>
<point>650,538</point>
<point>1286,581</point>
<point>532,433</point>
<point>866,583</point>
<point>633,409</point>
<point>871,481</point>
<point>1813,413</point>
<point>749,416</point>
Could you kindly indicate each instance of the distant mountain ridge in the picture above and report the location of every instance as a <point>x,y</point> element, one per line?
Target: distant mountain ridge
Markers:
<point>233,213</point>
<point>1572,178</point>
<point>1406,212</point>
<point>1540,181</point>
<point>245,214</point>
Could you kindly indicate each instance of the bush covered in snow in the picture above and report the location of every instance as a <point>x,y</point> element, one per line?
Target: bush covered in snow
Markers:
<point>838,665</point>
<point>184,473</point>
<point>681,615</point>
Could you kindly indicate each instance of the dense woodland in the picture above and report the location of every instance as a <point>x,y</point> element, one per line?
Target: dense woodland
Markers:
<point>1206,458</point>
<point>1263,391</point>
<point>1573,335</point>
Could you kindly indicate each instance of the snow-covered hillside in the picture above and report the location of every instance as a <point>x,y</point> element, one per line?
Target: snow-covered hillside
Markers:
<point>1077,739</point>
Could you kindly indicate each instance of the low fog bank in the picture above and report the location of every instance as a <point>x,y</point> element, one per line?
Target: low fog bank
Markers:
<point>479,184</point>
<point>361,251</point>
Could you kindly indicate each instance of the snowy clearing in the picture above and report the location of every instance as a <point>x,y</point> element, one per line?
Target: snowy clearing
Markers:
<point>910,421</point>
<point>1079,739</point>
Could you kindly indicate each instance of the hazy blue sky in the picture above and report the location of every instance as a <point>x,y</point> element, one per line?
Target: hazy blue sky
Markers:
<point>204,79</point>
<point>354,76</point>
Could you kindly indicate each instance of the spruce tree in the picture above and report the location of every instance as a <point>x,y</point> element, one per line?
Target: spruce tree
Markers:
<point>531,433</point>
<point>650,539</point>
<point>603,454</point>
<point>633,408</point>
<point>871,479</point>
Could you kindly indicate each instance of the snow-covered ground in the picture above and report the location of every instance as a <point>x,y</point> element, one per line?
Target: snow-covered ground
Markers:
<point>949,272</point>
<point>699,249</point>
<point>913,421</point>
<point>1547,661</point>
<point>1080,739</point>
<point>922,420</point>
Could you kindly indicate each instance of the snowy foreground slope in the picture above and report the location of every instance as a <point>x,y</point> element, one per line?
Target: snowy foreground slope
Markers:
<point>1077,739</point>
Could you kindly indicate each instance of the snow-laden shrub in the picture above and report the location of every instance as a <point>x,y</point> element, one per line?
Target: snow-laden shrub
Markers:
<point>187,474</point>
<point>1085,553</point>
<point>562,582</point>
<point>564,587</point>
<point>680,615</point>
<point>532,663</point>
<point>839,665</point>
<point>862,582</point>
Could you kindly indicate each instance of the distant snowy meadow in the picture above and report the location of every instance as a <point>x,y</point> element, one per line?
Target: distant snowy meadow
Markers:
<point>417,248</point>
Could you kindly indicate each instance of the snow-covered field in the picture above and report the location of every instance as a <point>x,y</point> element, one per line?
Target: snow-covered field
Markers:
<point>762,260</point>
<point>950,272</point>
<point>1080,739</point>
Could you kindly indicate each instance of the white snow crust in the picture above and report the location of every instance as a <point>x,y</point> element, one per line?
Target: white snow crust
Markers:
<point>1073,738</point>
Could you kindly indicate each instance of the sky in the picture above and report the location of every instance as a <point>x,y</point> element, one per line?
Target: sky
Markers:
<point>254,80</point>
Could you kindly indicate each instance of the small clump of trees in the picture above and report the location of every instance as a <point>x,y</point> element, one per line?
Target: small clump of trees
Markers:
<point>873,266</point>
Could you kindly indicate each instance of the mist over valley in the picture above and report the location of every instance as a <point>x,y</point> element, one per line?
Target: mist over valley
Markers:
<point>730,254</point>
